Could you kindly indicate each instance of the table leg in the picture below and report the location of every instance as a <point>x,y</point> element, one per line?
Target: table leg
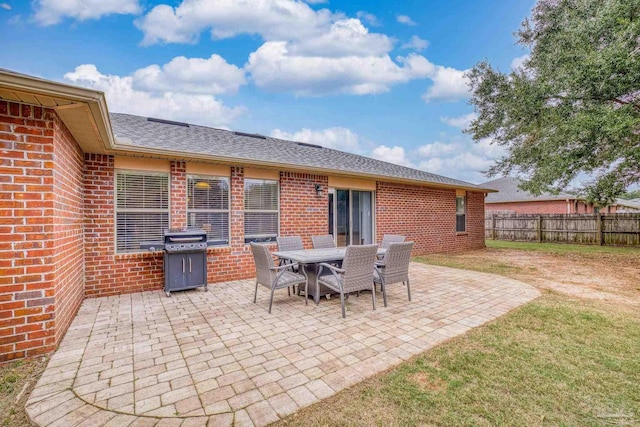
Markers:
<point>314,288</point>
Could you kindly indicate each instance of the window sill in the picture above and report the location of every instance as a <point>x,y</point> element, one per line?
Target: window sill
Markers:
<point>462,233</point>
<point>137,255</point>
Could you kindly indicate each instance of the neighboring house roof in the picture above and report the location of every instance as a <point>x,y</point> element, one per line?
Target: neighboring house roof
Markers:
<point>508,192</point>
<point>153,135</point>
<point>632,203</point>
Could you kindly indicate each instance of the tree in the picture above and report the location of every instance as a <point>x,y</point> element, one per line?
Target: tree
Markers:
<point>574,105</point>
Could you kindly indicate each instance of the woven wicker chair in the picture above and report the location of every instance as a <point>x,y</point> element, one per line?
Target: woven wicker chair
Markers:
<point>394,267</point>
<point>290,243</point>
<point>323,242</point>
<point>355,275</point>
<point>388,239</point>
<point>272,276</point>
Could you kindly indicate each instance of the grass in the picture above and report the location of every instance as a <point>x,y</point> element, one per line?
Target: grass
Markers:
<point>16,381</point>
<point>555,361</point>
<point>561,248</point>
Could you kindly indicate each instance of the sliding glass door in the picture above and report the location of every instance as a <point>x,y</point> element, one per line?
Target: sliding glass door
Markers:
<point>351,217</point>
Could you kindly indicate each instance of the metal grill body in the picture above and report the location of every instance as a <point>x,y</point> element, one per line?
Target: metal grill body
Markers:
<point>185,259</point>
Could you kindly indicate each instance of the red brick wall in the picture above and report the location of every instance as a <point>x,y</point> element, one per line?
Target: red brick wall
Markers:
<point>68,227</point>
<point>40,230</point>
<point>532,207</point>
<point>302,212</point>
<point>178,191</point>
<point>108,273</point>
<point>427,216</point>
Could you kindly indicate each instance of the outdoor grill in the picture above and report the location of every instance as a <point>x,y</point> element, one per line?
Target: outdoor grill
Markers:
<point>185,259</point>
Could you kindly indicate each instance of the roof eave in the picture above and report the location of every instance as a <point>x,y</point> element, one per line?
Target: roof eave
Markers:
<point>134,150</point>
<point>76,102</point>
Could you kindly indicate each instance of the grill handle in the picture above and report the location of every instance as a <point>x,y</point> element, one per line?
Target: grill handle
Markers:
<point>185,239</point>
<point>189,264</point>
<point>182,265</point>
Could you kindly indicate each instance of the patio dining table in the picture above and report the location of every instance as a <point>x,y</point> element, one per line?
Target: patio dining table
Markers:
<point>309,260</point>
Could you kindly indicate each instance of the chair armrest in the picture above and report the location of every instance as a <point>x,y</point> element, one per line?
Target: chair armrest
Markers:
<point>379,264</point>
<point>331,267</point>
<point>283,266</point>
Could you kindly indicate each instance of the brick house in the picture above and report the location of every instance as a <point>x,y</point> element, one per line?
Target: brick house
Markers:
<point>82,190</point>
<point>509,199</point>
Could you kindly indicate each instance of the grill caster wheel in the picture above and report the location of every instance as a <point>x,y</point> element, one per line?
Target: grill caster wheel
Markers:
<point>168,294</point>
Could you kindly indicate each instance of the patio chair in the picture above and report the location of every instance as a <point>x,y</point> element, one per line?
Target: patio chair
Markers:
<point>290,243</point>
<point>388,239</point>
<point>323,242</point>
<point>355,275</point>
<point>272,276</point>
<point>394,267</point>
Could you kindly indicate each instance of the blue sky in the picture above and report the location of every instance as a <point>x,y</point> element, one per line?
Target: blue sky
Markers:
<point>379,78</point>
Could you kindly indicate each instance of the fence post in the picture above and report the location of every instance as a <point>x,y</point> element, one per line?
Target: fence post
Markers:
<point>600,232</point>
<point>493,226</point>
<point>539,228</point>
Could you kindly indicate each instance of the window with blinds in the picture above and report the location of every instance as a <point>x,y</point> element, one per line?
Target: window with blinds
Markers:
<point>461,214</point>
<point>260,210</point>
<point>142,208</point>
<point>208,206</point>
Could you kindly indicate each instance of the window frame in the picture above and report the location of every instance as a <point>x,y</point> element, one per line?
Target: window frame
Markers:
<point>117,210</point>
<point>463,214</point>
<point>246,239</point>
<point>227,211</point>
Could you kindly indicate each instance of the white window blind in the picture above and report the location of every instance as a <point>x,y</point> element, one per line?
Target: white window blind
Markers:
<point>461,214</point>
<point>260,210</point>
<point>142,208</point>
<point>208,206</point>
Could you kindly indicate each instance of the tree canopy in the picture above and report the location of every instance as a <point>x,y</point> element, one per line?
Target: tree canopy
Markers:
<point>573,108</point>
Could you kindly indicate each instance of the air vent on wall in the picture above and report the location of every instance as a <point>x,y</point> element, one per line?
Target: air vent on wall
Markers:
<point>305,144</point>
<point>167,122</point>
<point>251,135</point>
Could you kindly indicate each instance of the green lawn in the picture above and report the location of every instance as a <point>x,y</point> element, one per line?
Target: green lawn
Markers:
<point>561,248</point>
<point>555,361</point>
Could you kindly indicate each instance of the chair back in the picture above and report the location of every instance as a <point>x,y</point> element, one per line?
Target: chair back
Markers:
<point>388,239</point>
<point>358,267</point>
<point>263,259</point>
<point>323,242</point>
<point>290,243</point>
<point>396,262</point>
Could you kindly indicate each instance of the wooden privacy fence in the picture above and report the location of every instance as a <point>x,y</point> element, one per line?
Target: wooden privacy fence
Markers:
<point>592,229</point>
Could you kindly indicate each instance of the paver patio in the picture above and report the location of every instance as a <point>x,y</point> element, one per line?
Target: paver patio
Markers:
<point>215,358</point>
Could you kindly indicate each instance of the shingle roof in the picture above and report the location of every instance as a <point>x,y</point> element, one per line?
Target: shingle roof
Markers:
<point>508,191</point>
<point>224,145</point>
<point>631,203</point>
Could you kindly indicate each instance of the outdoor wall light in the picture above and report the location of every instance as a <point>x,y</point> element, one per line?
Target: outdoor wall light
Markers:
<point>318,190</point>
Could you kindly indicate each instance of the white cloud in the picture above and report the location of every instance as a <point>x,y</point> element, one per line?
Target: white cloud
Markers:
<point>345,37</point>
<point>5,6</point>
<point>210,76</point>
<point>461,122</point>
<point>406,20</point>
<point>449,84</point>
<point>272,67</point>
<point>488,149</point>
<point>393,154</point>
<point>124,98</point>
<point>50,12</point>
<point>438,149</point>
<point>416,43</point>
<point>369,18</point>
<point>338,138</point>
<point>271,19</point>
<point>316,1</point>
<point>467,166</point>
<point>519,62</point>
